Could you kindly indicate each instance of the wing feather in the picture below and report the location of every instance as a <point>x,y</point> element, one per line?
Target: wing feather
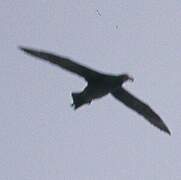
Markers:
<point>63,62</point>
<point>141,108</point>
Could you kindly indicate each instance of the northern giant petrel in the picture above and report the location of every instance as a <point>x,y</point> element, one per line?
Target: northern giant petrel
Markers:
<point>99,85</point>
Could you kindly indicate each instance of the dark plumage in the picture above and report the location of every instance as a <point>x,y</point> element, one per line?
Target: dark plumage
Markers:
<point>99,85</point>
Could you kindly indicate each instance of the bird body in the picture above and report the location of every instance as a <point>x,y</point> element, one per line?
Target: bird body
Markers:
<point>99,85</point>
<point>94,90</point>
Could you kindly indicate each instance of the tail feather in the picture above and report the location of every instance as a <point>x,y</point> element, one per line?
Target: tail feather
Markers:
<point>78,100</point>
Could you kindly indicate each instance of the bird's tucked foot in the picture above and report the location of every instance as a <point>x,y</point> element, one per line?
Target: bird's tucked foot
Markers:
<point>73,106</point>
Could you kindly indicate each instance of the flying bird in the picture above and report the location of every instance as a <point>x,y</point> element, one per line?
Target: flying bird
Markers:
<point>99,85</point>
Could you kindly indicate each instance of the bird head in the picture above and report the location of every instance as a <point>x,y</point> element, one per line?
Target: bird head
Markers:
<point>125,77</point>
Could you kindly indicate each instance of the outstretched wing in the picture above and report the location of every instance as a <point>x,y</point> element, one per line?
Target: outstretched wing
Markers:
<point>141,108</point>
<point>63,62</point>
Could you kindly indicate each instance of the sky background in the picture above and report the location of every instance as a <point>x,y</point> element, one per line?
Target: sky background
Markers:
<point>42,137</point>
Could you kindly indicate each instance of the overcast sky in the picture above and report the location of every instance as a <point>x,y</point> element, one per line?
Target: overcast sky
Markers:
<point>42,137</point>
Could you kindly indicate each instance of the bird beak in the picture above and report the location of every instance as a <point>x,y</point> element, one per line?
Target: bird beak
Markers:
<point>131,78</point>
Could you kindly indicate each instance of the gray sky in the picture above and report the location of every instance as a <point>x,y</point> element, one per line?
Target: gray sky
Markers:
<point>41,137</point>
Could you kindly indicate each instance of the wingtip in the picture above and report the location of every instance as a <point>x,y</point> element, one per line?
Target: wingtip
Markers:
<point>29,50</point>
<point>166,130</point>
<point>23,48</point>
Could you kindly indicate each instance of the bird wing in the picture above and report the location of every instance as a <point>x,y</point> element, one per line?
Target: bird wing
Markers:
<point>141,108</point>
<point>63,62</point>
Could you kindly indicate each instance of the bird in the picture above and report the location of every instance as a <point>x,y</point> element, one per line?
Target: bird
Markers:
<point>100,84</point>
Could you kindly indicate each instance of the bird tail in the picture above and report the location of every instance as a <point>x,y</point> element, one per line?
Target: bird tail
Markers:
<point>78,100</point>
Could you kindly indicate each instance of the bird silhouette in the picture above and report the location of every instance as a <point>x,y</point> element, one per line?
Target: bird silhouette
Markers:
<point>99,85</point>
